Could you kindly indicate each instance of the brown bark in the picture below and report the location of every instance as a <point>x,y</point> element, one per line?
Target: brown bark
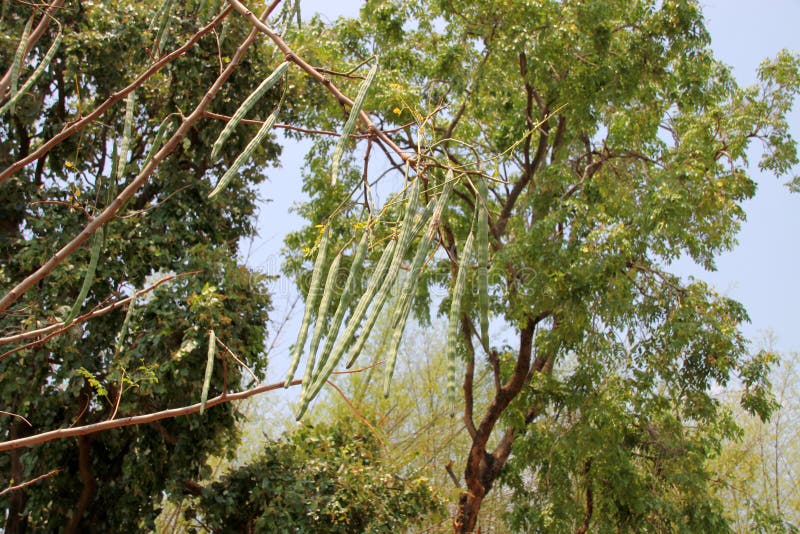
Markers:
<point>17,522</point>
<point>584,528</point>
<point>15,444</point>
<point>89,483</point>
<point>483,466</point>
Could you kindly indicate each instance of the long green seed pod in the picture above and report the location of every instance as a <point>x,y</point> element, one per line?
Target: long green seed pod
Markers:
<point>349,333</point>
<point>407,229</point>
<point>48,57</point>
<point>311,304</point>
<point>322,312</point>
<point>245,155</point>
<point>163,18</point>
<point>455,314</point>
<point>212,353</point>
<point>88,279</point>
<point>156,144</point>
<point>344,302</point>
<point>406,297</point>
<point>123,331</point>
<point>16,64</point>
<point>358,103</point>
<point>374,284</point>
<point>482,207</point>
<point>126,136</point>
<point>248,103</point>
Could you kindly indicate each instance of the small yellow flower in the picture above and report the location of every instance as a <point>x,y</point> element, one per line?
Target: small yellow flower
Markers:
<point>68,164</point>
<point>397,111</point>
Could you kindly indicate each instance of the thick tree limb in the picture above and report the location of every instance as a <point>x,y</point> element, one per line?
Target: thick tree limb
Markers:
<point>137,419</point>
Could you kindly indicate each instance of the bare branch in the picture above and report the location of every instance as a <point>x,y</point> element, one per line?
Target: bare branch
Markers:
<point>137,419</point>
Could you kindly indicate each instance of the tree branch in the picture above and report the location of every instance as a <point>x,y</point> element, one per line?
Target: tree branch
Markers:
<point>318,76</point>
<point>27,483</point>
<point>469,377</point>
<point>33,38</point>
<point>137,419</point>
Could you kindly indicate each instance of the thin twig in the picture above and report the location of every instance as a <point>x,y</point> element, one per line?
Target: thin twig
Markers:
<point>17,416</point>
<point>29,482</point>
<point>358,413</point>
<point>236,359</point>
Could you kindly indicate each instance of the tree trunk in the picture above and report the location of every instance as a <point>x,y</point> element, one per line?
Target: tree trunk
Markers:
<point>17,521</point>
<point>89,483</point>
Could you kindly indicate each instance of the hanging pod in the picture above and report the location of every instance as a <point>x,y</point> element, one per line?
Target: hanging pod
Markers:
<point>245,155</point>
<point>248,103</point>
<point>344,304</point>
<point>344,341</point>
<point>212,353</point>
<point>358,103</point>
<point>88,279</point>
<point>311,304</point>
<point>407,233</point>
<point>455,314</point>
<point>482,209</point>
<point>406,294</point>
<point>48,57</point>
<point>16,64</point>
<point>322,312</point>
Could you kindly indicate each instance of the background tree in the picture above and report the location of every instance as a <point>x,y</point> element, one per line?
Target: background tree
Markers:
<point>95,371</point>
<point>608,142</point>
<point>756,473</point>
<point>332,478</point>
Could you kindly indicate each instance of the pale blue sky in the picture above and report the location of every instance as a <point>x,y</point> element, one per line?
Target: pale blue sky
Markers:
<point>760,272</point>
